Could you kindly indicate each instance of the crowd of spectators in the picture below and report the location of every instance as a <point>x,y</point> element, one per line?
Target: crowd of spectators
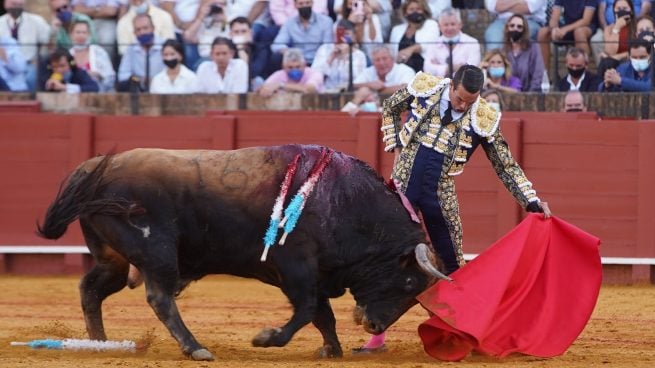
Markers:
<point>370,47</point>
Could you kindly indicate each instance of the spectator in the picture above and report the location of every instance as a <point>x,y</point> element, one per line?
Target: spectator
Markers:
<point>176,78</point>
<point>523,54</point>
<point>417,30</point>
<point>574,102</point>
<point>224,73</point>
<point>92,58</point>
<point>308,30</point>
<point>64,18</point>
<point>645,28</point>
<point>210,23</point>
<point>382,10</point>
<point>385,76</point>
<point>579,24</point>
<point>255,55</point>
<point>104,14</point>
<point>634,75</point>
<point>534,12</point>
<point>162,21</point>
<point>255,11</point>
<point>498,73</point>
<point>333,60</point>
<point>364,100</point>
<point>141,61</point>
<point>494,99</point>
<point>606,11</point>
<point>368,30</point>
<point>579,78</point>
<point>453,49</point>
<point>294,77</point>
<point>66,76</point>
<point>185,13</point>
<point>616,36</point>
<point>12,65</point>
<point>29,30</point>
<point>283,10</point>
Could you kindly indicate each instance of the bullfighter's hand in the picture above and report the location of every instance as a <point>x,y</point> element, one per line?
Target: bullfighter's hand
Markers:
<point>544,206</point>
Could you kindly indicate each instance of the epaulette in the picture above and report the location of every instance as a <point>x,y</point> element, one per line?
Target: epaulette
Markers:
<point>426,85</point>
<point>484,119</point>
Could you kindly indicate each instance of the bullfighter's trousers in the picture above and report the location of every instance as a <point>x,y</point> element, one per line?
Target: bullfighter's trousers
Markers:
<point>422,193</point>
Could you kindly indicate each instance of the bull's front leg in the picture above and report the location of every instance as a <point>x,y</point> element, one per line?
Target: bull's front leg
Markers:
<point>326,323</point>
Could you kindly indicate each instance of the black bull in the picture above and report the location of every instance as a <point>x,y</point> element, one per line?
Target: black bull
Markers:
<point>180,215</point>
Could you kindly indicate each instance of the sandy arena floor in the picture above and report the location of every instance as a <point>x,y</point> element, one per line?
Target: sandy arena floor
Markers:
<point>224,313</point>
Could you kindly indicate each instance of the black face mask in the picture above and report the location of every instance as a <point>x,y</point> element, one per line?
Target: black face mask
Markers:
<point>576,73</point>
<point>514,35</point>
<point>305,12</point>
<point>171,63</point>
<point>415,18</point>
<point>574,110</point>
<point>15,12</point>
<point>622,13</point>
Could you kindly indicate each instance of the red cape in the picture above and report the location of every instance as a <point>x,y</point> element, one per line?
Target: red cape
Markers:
<point>532,292</point>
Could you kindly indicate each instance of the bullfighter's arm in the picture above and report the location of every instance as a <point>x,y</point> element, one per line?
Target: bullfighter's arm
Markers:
<point>392,107</point>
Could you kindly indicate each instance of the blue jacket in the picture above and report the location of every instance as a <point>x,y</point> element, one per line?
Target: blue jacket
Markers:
<point>630,80</point>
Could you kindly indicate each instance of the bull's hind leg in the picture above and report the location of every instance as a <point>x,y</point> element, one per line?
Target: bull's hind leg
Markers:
<point>108,276</point>
<point>325,322</point>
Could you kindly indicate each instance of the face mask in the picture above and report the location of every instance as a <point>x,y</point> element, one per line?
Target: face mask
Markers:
<point>65,16</point>
<point>15,12</point>
<point>305,12</point>
<point>622,13</point>
<point>146,38</point>
<point>142,8</point>
<point>171,63</point>
<point>497,71</point>
<point>240,39</point>
<point>576,109</point>
<point>514,35</point>
<point>494,105</point>
<point>415,17</point>
<point>576,73</point>
<point>646,34</point>
<point>68,75</point>
<point>639,64</point>
<point>369,106</point>
<point>295,74</point>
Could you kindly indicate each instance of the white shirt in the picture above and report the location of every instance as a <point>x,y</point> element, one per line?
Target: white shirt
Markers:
<point>235,79</point>
<point>185,82</point>
<point>337,73</point>
<point>32,29</point>
<point>399,74</point>
<point>575,87</point>
<point>100,62</point>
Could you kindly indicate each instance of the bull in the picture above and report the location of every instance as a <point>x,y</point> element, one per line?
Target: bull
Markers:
<point>178,215</point>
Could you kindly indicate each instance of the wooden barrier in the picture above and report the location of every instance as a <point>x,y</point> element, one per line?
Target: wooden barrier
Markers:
<point>597,175</point>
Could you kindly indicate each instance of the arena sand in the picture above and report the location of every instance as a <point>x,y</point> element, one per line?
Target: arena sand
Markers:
<point>225,313</point>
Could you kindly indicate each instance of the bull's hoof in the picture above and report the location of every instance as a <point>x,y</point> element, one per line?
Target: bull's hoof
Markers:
<point>202,354</point>
<point>267,337</point>
<point>329,351</point>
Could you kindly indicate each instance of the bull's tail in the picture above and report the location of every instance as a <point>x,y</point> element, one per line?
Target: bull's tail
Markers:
<point>78,196</point>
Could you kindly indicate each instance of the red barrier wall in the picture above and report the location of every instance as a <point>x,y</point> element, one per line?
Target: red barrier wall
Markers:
<point>597,175</point>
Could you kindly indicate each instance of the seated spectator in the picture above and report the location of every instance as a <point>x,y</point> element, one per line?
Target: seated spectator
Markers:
<point>633,75</point>
<point>308,30</point>
<point>92,58</point>
<point>64,17</point>
<point>574,102</point>
<point>255,11</point>
<point>364,100</point>
<point>534,12</point>
<point>104,14</point>
<point>498,72</point>
<point>382,10</point>
<point>29,30</point>
<point>161,20</point>
<point>606,17</point>
<point>333,60</point>
<point>385,76</point>
<point>368,30</point>
<point>645,28</point>
<point>223,73</point>
<point>12,65</point>
<point>523,54</point>
<point>141,61</point>
<point>579,78</point>
<point>494,99</point>
<point>616,36</point>
<point>295,76</point>
<point>579,24</point>
<point>453,49</point>
<point>283,10</point>
<point>185,13</point>
<point>65,76</point>
<point>176,78</point>
<point>418,29</point>
<point>210,23</point>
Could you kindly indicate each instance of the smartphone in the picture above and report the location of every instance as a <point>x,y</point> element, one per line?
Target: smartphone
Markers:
<point>341,31</point>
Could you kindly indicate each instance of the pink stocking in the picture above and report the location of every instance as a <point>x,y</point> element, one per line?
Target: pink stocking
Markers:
<point>375,342</point>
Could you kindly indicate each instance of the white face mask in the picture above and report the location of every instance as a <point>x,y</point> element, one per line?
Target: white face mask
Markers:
<point>141,9</point>
<point>494,105</point>
<point>369,106</point>
<point>639,64</point>
<point>240,39</point>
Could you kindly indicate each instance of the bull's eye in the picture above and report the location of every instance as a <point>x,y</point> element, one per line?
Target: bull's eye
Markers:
<point>410,283</point>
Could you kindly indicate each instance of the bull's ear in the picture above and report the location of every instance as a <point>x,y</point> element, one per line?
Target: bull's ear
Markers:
<point>407,257</point>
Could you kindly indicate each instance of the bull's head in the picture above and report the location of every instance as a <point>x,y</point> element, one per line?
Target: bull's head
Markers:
<point>395,290</point>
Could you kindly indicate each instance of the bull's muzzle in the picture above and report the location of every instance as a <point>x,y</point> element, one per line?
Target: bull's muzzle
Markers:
<point>372,327</point>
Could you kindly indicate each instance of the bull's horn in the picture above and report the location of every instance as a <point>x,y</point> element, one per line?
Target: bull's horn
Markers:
<point>423,260</point>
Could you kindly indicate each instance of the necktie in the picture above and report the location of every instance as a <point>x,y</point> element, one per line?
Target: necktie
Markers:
<point>448,115</point>
<point>147,80</point>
